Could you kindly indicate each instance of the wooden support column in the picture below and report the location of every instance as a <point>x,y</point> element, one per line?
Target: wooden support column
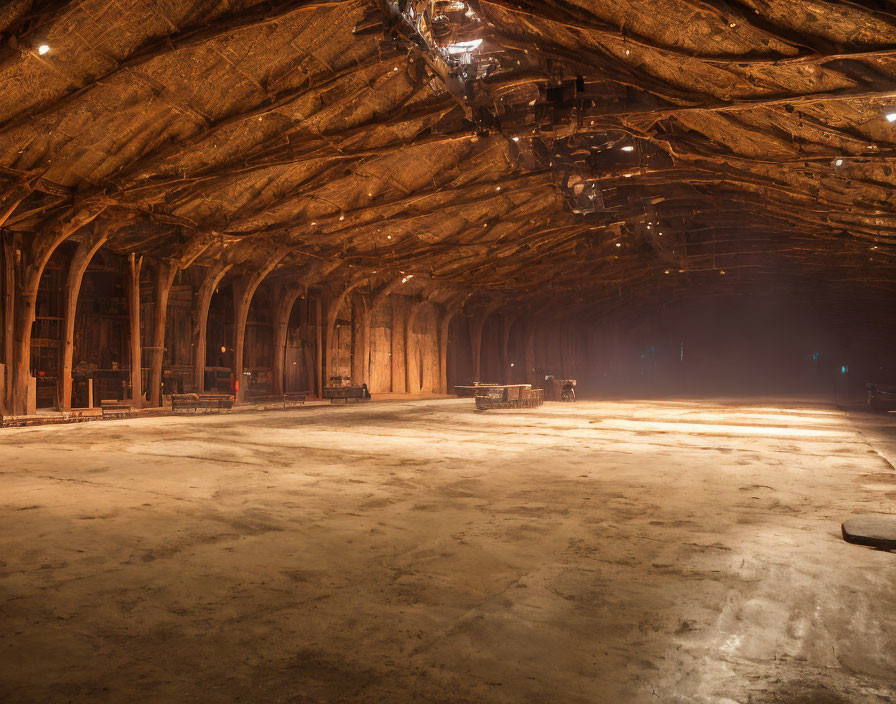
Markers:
<point>409,347</point>
<point>333,306</point>
<point>9,314</point>
<point>444,326</point>
<point>565,352</point>
<point>507,321</point>
<point>286,299</point>
<point>361,356</point>
<point>135,264</point>
<point>164,280</point>
<point>319,347</point>
<point>200,321</point>
<point>34,261</point>
<point>397,350</point>
<point>530,353</point>
<point>87,248</point>
<point>376,300</point>
<point>476,325</point>
<point>243,291</point>
<point>9,201</point>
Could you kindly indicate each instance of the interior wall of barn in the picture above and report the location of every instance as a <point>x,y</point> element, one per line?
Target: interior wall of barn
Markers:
<point>394,346</point>
<point>390,342</point>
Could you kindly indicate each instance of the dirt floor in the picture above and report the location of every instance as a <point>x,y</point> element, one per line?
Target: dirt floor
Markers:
<point>418,551</point>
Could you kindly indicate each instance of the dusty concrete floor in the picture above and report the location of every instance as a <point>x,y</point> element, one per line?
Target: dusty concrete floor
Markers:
<point>421,552</point>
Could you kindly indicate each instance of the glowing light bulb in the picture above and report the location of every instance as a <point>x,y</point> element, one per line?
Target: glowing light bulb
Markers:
<point>891,117</point>
<point>516,139</point>
<point>619,244</point>
<point>628,148</point>
<point>44,49</point>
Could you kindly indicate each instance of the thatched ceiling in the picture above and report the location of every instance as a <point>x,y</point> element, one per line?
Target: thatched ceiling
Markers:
<point>209,129</point>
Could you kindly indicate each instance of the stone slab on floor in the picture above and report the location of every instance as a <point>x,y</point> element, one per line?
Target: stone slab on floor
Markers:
<point>873,529</point>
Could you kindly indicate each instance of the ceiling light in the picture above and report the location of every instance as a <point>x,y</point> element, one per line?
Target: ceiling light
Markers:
<point>388,237</point>
<point>619,244</point>
<point>660,234</point>
<point>627,52</point>
<point>628,148</point>
<point>628,175</point>
<point>648,227</point>
<point>722,272</point>
<point>838,162</point>
<point>667,271</point>
<point>498,188</point>
<point>463,47</point>
<point>733,25</point>
<point>891,116</point>
<point>43,49</point>
<point>516,139</point>
<point>342,217</point>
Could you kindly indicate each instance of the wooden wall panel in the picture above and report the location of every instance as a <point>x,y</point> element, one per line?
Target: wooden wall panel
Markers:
<point>381,347</point>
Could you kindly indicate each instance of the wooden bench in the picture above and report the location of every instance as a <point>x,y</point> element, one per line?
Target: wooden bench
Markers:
<point>113,408</point>
<point>184,403</point>
<point>80,415</point>
<point>207,403</point>
<point>214,403</point>
<point>290,399</point>
<point>347,394</point>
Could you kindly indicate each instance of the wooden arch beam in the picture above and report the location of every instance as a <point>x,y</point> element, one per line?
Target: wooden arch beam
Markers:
<point>34,261</point>
<point>477,322</point>
<point>416,305</point>
<point>76,268</point>
<point>200,320</point>
<point>167,270</point>
<point>333,306</point>
<point>243,291</point>
<point>449,310</point>
<point>286,300</point>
